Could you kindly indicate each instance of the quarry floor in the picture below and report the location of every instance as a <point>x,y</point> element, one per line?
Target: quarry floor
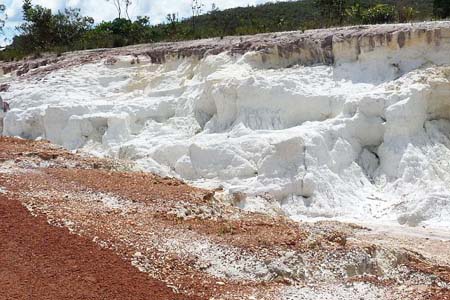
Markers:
<point>75,227</point>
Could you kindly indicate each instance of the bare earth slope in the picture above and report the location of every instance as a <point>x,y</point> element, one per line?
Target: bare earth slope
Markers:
<point>89,221</point>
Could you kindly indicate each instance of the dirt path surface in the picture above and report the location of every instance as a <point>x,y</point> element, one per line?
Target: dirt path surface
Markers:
<point>40,261</point>
<point>75,227</point>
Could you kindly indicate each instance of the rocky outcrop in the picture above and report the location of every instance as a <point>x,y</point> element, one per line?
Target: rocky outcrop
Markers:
<point>323,46</point>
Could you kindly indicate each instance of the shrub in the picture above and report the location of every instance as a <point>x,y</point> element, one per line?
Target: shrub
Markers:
<point>379,14</point>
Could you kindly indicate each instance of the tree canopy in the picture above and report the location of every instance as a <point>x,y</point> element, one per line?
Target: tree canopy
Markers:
<point>442,8</point>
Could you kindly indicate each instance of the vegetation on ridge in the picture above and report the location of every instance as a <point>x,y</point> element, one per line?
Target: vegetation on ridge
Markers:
<point>45,31</point>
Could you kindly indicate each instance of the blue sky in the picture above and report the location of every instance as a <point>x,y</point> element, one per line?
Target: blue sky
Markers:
<point>102,10</point>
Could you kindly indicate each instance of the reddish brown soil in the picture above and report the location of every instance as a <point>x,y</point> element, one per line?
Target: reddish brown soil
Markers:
<point>39,261</point>
<point>442,272</point>
<point>256,231</point>
<point>436,293</point>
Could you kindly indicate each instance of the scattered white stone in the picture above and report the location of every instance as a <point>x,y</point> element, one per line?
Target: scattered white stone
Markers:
<point>356,291</point>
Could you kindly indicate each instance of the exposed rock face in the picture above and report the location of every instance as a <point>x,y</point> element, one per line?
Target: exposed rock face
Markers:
<point>323,46</point>
<point>357,127</point>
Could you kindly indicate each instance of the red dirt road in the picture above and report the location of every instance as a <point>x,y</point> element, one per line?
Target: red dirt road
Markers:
<point>39,261</point>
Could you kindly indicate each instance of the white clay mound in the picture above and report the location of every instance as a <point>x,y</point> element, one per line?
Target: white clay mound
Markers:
<point>365,140</point>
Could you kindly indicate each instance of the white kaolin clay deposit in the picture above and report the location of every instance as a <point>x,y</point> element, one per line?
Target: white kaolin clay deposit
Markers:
<point>363,136</point>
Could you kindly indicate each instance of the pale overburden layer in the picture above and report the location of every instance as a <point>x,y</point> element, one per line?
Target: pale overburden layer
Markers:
<point>367,138</point>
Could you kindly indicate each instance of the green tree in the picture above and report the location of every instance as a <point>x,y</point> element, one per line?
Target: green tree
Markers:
<point>441,8</point>
<point>45,30</point>
<point>38,25</point>
<point>379,14</point>
<point>332,11</point>
<point>26,7</point>
<point>196,8</point>
<point>172,22</point>
<point>407,14</point>
<point>355,12</point>
<point>70,25</point>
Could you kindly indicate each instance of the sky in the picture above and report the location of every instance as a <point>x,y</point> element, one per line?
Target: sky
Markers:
<point>103,10</point>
